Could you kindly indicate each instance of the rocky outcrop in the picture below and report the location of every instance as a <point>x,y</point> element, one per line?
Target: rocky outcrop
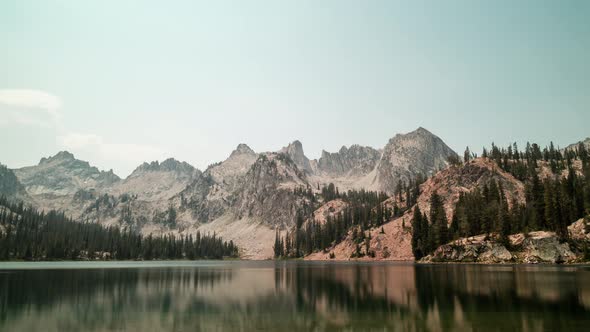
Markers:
<point>329,209</point>
<point>580,230</point>
<point>531,248</point>
<point>453,181</point>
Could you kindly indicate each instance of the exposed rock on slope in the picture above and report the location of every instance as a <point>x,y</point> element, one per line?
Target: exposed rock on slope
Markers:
<point>329,210</point>
<point>55,180</point>
<point>403,158</point>
<point>295,152</point>
<point>10,186</point>
<point>453,181</point>
<point>210,194</point>
<point>63,174</point>
<point>354,161</point>
<point>580,230</point>
<point>228,173</point>
<point>267,191</point>
<point>156,181</point>
<point>393,244</point>
<point>406,155</point>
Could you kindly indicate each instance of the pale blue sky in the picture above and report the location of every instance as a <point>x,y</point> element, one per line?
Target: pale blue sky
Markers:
<point>119,82</point>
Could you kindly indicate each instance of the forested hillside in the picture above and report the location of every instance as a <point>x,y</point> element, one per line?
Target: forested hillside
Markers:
<point>557,193</point>
<point>27,234</point>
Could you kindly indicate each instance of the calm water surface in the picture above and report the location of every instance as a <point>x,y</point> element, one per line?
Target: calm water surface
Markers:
<point>291,296</point>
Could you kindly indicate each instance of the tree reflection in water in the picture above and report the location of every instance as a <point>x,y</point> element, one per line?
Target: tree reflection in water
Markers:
<point>294,296</point>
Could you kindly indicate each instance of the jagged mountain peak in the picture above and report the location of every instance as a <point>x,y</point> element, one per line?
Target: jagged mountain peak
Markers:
<point>242,149</point>
<point>294,147</point>
<point>418,132</point>
<point>295,151</point>
<point>55,181</point>
<point>355,160</point>
<point>406,155</point>
<point>168,165</point>
<point>60,156</point>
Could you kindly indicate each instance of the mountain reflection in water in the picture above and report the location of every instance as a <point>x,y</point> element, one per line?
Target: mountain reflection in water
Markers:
<point>294,296</point>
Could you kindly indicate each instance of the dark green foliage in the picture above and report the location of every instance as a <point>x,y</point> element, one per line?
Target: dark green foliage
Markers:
<point>419,235</point>
<point>31,235</point>
<point>365,210</point>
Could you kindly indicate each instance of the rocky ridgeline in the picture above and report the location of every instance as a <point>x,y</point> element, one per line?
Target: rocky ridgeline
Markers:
<point>353,161</point>
<point>62,175</point>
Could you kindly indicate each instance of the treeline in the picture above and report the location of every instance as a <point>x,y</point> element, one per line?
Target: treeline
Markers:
<point>364,210</point>
<point>550,204</point>
<point>523,165</point>
<point>27,234</point>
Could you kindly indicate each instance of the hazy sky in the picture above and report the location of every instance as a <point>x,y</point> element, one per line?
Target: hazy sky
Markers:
<point>120,82</point>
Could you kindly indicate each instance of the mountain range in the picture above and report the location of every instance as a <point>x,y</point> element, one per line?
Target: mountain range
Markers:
<point>247,197</point>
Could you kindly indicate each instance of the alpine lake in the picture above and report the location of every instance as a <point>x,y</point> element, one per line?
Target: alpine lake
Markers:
<point>291,296</point>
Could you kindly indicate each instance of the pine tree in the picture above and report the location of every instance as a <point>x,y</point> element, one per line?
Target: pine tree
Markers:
<point>417,235</point>
<point>467,155</point>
